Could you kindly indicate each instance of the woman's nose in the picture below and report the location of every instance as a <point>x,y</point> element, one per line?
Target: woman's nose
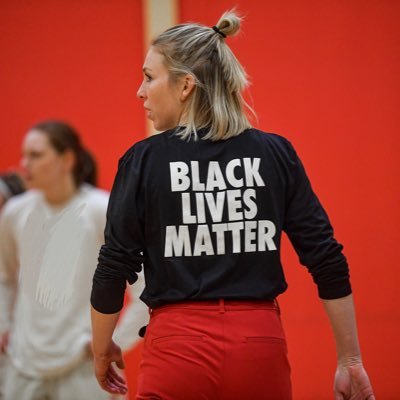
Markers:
<point>24,163</point>
<point>140,93</point>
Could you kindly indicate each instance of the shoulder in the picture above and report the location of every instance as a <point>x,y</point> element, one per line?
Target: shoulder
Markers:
<point>21,202</point>
<point>142,147</point>
<point>268,137</point>
<point>278,144</point>
<point>96,203</point>
<point>17,208</point>
<point>96,198</point>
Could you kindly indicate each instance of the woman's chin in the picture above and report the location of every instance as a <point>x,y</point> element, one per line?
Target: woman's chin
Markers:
<point>163,127</point>
<point>159,128</point>
<point>32,184</point>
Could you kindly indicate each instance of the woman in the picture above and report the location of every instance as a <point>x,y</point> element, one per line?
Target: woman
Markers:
<point>49,238</point>
<point>202,206</point>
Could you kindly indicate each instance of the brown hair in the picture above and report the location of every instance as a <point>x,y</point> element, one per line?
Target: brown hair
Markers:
<point>63,137</point>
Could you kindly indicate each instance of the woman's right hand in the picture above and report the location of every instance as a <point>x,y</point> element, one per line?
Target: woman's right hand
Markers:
<point>105,372</point>
<point>352,382</point>
<point>4,341</point>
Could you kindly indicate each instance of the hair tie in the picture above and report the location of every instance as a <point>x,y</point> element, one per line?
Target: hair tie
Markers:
<point>219,31</point>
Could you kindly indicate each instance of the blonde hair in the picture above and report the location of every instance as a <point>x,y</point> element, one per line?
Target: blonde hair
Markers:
<point>216,101</point>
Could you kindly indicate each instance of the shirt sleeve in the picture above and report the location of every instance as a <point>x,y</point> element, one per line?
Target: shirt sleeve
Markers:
<point>311,234</point>
<point>8,268</point>
<point>121,257</point>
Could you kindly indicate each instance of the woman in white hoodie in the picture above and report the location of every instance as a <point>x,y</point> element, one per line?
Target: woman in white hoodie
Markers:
<point>49,241</point>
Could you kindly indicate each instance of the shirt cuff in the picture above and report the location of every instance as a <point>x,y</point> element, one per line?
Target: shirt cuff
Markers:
<point>335,291</point>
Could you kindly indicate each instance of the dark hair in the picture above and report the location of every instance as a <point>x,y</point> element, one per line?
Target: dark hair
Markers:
<point>63,137</point>
<point>89,168</point>
<point>13,182</point>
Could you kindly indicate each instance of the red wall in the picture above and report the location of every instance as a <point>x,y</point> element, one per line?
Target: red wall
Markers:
<point>324,74</point>
<point>76,60</point>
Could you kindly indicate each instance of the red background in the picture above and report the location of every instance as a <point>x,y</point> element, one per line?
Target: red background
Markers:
<point>325,74</point>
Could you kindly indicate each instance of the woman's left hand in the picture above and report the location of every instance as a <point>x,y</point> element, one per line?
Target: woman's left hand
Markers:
<point>352,383</point>
<point>106,375</point>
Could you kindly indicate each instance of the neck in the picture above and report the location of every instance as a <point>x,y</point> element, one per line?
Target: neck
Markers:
<point>61,192</point>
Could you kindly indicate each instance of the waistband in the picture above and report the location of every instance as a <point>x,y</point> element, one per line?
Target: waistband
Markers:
<point>220,305</point>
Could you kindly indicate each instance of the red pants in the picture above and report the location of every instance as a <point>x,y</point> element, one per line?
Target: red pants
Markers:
<point>226,350</point>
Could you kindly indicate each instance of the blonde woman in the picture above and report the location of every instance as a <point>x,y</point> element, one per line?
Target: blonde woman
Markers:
<point>202,207</point>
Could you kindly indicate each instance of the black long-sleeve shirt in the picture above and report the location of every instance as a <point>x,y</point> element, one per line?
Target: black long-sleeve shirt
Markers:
<point>205,220</point>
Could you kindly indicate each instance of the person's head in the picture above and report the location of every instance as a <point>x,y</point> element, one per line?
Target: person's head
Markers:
<point>11,184</point>
<point>52,151</point>
<point>192,78</point>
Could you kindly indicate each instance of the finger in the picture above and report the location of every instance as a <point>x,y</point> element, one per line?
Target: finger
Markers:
<point>112,386</point>
<point>116,382</point>
<point>114,377</point>
<point>339,396</point>
<point>117,376</point>
<point>116,388</point>
<point>107,383</point>
<point>105,386</point>
<point>108,386</point>
<point>120,363</point>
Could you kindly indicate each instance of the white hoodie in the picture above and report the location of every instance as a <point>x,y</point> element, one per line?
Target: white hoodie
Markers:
<point>47,260</point>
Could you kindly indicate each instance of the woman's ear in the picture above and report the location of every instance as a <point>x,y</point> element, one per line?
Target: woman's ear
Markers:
<point>188,85</point>
<point>69,160</point>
